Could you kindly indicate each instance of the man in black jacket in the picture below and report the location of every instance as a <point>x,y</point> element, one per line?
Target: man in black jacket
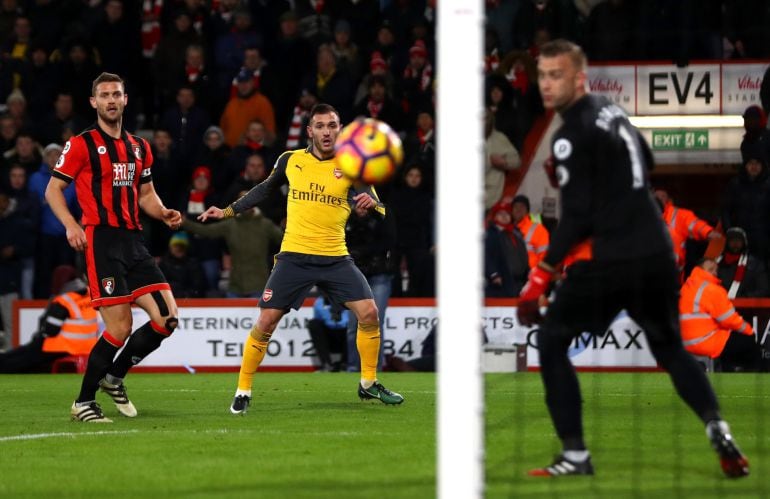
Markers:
<point>601,165</point>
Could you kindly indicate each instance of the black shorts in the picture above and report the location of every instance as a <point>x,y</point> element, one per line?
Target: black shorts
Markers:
<point>294,274</point>
<point>120,269</point>
<point>593,294</point>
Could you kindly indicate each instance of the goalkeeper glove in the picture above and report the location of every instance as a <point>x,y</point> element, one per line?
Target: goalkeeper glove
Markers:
<point>528,310</point>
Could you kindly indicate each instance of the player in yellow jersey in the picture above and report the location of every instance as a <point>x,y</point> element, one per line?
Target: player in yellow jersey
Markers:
<point>313,252</point>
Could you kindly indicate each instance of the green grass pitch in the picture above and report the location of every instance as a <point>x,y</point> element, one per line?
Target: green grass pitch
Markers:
<point>307,435</point>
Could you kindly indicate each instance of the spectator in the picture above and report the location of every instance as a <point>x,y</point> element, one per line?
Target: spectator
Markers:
<point>68,326</point>
<point>378,105</point>
<point>249,104</point>
<point>417,81</point>
<point>8,132</point>
<point>296,137</point>
<point>498,101</point>
<point>254,172</point>
<point>534,16</point>
<point>371,240</point>
<point>17,110</point>
<point>346,51</point>
<point>51,128</point>
<point>757,136</point>
<point>501,157</point>
<point>327,329</point>
<point>412,207</point>
<point>40,82</point>
<point>228,49</point>
<point>168,167</point>
<point>183,272</point>
<point>26,154</point>
<point>52,248</point>
<point>26,204</point>
<point>215,154</point>
<point>420,147</point>
<point>536,236</point>
<point>741,274</point>
<point>710,325</point>
<point>315,21</point>
<point>78,68</point>
<point>168,63</point>
<point>746,203</point>
<point>682,225</point>
<point>377,67</point>
<point>186,123</point>
<point>17,241</point>
<point>9,11</point>
<point>262,73</point>
<point>505,255</point>
<point>117,38</point>
<point>207,251</point>
<point>197,76</point>
<point>249,238</point>
<point>291,55</point>
<point>331,84</point>
<point>16,45</point>
<point>518,69</point>
<point>254,141</point>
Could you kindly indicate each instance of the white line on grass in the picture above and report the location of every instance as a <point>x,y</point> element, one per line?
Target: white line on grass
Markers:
<point>69,434</point>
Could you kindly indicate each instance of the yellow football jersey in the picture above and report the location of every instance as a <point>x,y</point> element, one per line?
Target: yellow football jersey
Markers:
<point>319,201</point>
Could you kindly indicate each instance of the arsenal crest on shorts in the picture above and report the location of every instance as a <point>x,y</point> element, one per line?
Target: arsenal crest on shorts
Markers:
<point>267,294</point>
<point>108,283</point>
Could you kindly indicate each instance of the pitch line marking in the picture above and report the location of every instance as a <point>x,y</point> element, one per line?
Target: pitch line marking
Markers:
<point>68,434</point>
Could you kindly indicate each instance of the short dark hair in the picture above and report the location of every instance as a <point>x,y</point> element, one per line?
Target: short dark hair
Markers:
<point>106,77</point>
<point>572,50</point>
<point>322,109</point>
<point>521,198</point>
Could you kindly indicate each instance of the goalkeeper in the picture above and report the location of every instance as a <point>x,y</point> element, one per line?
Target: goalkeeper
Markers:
<point>602,171</point>
<point>313,253</point>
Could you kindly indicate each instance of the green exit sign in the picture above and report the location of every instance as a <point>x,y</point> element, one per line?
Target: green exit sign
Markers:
<point>678,140</point>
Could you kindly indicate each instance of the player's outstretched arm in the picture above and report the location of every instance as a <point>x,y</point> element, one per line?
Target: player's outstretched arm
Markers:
<point>54,195</point>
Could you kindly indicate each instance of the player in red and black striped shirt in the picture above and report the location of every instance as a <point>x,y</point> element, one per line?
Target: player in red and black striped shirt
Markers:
<point>113,179</point>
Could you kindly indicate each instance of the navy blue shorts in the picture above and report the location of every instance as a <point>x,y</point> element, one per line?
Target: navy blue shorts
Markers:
<point>294,274</point>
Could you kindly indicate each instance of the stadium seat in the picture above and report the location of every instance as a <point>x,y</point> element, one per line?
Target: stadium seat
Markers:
<point>70,363</point>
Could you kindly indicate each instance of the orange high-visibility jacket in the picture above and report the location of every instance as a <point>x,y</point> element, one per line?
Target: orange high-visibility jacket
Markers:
<point>707,315</point>
<point>683,225</point>
<point>79,331</point>
<point>536,237</point>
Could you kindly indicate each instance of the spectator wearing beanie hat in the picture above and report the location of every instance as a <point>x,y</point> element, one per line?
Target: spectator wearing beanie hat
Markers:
<point>346,51</point>
<point>183,272</point>
<point>746,202</point>
<point>505,254</point>
<point>742,275</point>
<point>377,67</point>
<point>207,251</point>
<point>417,80</point>
<point>757,135</point>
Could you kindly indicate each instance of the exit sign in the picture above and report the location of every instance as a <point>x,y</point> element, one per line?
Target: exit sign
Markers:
<point>678,140</point>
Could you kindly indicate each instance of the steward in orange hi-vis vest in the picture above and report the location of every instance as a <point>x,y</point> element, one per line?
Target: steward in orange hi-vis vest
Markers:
<point>78,332</point>
<point>707,315</point>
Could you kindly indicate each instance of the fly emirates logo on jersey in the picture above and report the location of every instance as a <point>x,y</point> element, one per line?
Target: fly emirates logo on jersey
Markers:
<point>123,174</point>
<point>316,194</point>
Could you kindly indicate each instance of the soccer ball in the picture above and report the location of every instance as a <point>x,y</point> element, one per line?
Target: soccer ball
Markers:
<point>368,150</point>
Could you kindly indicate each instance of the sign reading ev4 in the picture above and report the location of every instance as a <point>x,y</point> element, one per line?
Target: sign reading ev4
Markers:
<point>671,90</point>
